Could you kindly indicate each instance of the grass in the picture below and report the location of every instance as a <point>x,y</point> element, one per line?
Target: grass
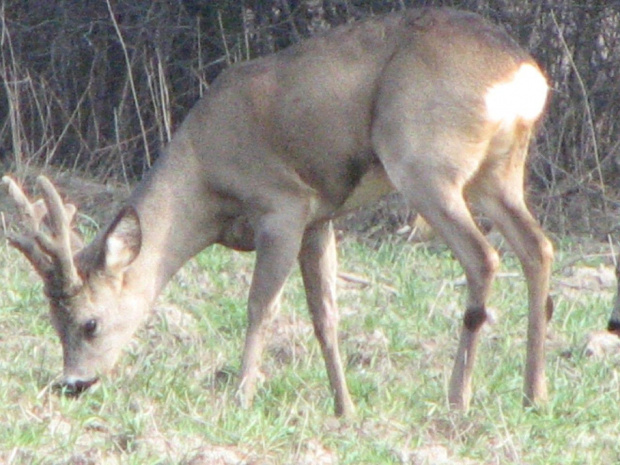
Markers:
<point>171,399</point>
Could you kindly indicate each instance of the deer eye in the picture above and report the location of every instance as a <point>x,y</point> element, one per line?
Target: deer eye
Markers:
<point>90,328</point>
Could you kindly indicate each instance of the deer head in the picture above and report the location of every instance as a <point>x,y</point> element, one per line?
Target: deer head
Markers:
<point>84,286</point>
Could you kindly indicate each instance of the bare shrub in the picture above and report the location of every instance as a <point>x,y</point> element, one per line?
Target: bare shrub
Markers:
<point>99,86</point>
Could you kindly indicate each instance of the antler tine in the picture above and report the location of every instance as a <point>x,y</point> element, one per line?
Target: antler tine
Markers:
<point>29,212</point>
<point>31,215</point>
<point>49,250</point>
<point>58,245</point>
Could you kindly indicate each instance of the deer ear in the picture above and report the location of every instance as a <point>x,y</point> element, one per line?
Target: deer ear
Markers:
<point>122,241</point>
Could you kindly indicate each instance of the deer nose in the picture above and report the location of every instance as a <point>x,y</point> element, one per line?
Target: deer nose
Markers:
<point>73,387</point>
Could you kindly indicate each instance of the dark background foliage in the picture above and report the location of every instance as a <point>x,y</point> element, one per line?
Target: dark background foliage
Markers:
<point>98,86</point>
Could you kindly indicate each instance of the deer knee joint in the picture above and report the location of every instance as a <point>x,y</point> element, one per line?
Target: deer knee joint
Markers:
<point>492,263</point>
<point>549,308</point>
<point>547,250</point>
<point>474,318</point>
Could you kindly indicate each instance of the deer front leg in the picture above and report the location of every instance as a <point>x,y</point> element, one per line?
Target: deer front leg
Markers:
<point>278,242</point>
<point>319,269</point>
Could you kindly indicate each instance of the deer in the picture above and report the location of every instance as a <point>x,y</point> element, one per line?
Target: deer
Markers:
<point>437,104</point>
<point>613,324</point>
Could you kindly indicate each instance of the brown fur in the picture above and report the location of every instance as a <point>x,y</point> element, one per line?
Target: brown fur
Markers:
<point>281,145</point>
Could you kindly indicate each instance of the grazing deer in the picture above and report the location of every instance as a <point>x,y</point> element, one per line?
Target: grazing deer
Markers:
<point>613,326</point>
<point>436,103</point>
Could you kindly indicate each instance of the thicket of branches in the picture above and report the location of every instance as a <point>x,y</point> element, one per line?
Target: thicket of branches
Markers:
<point>100,85</point>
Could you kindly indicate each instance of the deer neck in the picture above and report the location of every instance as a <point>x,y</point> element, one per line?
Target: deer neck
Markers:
<point>171,203</point>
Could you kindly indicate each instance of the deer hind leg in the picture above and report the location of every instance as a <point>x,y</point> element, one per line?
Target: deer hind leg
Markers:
<point>431,175</point>
<point>318,263</point>
<point>505,205</point>
<point>447,212</point>
<point>278,241</point>
<point>442,204</point>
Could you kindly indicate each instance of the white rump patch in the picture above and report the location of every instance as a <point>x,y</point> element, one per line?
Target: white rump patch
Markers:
<point>522,97</point>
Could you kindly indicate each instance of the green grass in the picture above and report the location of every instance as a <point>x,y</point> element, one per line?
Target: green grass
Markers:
<point>172,397</point>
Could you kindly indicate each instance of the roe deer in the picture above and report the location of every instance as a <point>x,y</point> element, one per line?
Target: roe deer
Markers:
<point>436,103</point>
<point>613,326</point>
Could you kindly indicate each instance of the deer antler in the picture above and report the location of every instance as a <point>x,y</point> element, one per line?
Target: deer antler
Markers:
<point>48,241</point>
